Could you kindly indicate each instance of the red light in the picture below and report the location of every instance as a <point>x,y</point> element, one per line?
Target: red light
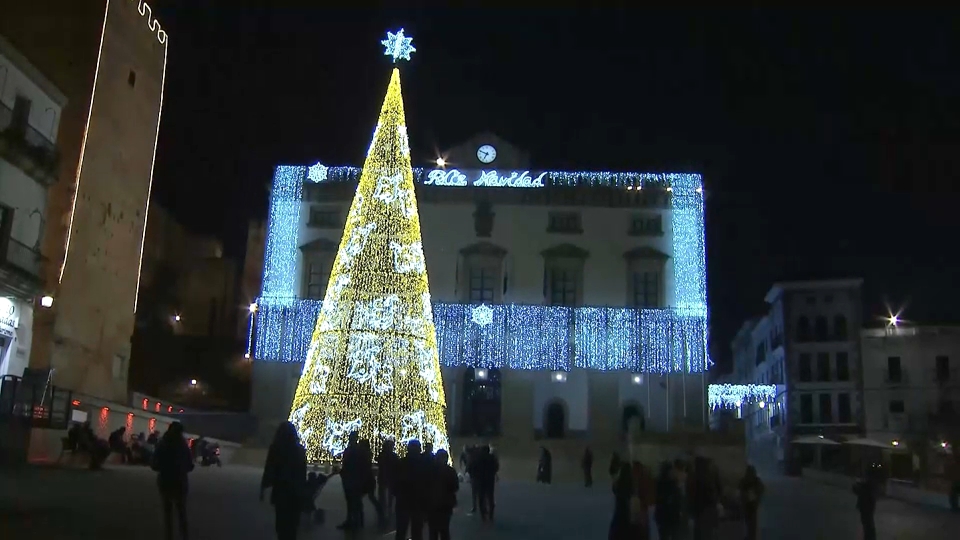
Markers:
<point>170,408</point>
<point>146,403</point>
<point>158,406</point>
<point>75,403</point>
<point>181,410</point>
<point>152,425</point>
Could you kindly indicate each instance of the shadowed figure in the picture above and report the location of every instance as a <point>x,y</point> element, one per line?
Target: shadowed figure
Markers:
<point>173,461</point>
<point>410,492</point>
<point>285,474</point>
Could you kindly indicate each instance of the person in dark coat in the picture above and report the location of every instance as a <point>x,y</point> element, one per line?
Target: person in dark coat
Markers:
<point>386,475</point>
<point>669,503</point>
<point>285,473</point>
<point>410,493</point>
<point>444,485</point>
<point>866,491</point>
<point>368,482</point>
<point>545,466</point>
<point>751,491</point>
<point>587,464</point>
<point>352,478</point>
<point>704,497</point>
<point>473,471</point>
<point>487,468</point>
<point>621,525</point>
<point>615,462</point>
<point>173,461</point>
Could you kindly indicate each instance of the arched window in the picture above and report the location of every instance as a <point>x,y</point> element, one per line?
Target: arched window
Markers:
<point>629,413</point>
<point>840,328</point>
<point>555,421</point>
<point>480,413</point>
<point>803,329</point>
<point>820,331</point>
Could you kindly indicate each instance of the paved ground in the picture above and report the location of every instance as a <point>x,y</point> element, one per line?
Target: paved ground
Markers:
<point>44,503</point>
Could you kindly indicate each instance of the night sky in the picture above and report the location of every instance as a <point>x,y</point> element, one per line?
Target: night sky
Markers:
<point>828,142</point>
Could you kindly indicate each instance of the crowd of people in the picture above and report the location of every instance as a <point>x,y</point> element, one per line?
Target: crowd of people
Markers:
<point>417,492</point>
<point>138,450</point>
<point>683,499</point>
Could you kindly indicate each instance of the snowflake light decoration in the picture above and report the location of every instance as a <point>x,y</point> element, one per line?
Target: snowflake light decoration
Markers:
<point>482,315</point>
<point>398,46</point>
<point>317,173</point>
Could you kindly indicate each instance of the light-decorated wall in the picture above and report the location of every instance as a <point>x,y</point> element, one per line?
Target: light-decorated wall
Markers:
<point>524,334</point>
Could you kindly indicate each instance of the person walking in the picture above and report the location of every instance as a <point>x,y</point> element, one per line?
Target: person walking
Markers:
<point>587,464</point>
<point>669,500</point>
<point>443,496</point>
<point>487,471</point>
<point>285,474</point>
<point>751,491</point>
<point>621,524</point>
<point>409,491</point>
<point>352,477</point>
<point>173,462</point>
<point>866,492</point>
<point>386,473</point>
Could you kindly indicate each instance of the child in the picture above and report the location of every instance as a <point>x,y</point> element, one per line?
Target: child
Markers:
<point>315,483</point>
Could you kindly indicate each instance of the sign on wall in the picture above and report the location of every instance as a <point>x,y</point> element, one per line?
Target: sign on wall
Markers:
<point>9,314</point>
<point>454,177</point>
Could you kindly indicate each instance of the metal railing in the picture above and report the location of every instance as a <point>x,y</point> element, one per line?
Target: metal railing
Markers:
<point>20,255</point>
<point>30,141</point>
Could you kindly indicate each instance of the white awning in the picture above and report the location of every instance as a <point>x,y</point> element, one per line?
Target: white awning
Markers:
<point>814,439</point>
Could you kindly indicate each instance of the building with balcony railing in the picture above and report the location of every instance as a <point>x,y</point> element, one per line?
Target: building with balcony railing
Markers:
<point>911,384</point>
<point>109,60</point>
<point>807,345</point>
<point>566,303</point>
<point>30,107</point>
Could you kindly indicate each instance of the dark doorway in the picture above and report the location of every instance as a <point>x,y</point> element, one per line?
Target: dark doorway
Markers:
<point>480,414</point>
<point>629,413</point>
<point>556,421</point>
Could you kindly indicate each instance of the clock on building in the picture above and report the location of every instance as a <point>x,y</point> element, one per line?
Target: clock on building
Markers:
<point>486,153</point>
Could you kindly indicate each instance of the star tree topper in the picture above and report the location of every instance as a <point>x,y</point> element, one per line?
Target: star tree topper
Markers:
<point>398,46</point>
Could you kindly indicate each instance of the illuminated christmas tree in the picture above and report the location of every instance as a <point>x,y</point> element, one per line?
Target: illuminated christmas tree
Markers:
<point>372,365</point>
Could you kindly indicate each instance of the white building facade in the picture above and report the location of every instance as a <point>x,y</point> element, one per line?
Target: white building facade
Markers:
<point>565,303</point>
<point>911,381</point>
<point>30,109</point>
<point>808,346</point>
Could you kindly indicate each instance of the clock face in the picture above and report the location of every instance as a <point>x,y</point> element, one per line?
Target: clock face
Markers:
<point>486,153</point>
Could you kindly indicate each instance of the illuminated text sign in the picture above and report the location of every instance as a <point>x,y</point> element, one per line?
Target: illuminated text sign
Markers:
<point>453,177</point>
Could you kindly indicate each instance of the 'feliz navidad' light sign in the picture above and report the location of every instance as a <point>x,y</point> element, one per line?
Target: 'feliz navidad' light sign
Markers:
<point>453,177</point>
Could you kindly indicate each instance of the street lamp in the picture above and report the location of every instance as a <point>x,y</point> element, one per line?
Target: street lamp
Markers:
<point>441,162</point>
<point>176,317</point>
<point>252,308</point>
<point>193,382</point>
<point>46,301</point>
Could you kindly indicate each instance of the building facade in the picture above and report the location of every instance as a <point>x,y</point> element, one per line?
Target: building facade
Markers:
<point>911,385</point>
<point>566,304</point>
<point>109,58</point>
<point>808,346</point>
<point>30,108</point>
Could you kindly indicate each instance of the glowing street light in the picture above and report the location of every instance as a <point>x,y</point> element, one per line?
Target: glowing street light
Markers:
<point>46,301</point>
<point>193,382</point>
<point>252,308</point>
<point>176,317</point>
<point>441,162</point>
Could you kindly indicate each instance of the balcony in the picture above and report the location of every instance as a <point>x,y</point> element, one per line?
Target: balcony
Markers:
<point>27,149</point>
<point>20,267</point>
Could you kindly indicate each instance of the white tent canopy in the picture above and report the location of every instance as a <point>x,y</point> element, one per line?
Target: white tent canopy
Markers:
<point>814,439</point>
<point>872,443</point>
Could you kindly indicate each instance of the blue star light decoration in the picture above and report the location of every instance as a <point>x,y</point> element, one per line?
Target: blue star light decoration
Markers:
<point>482,315</point>
<point>317,173</point>
<point>398,46</point>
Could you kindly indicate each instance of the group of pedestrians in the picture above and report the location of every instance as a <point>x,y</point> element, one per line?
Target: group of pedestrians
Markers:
<point>679,495</point>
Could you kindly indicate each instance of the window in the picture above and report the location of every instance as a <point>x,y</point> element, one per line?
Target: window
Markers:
<point>481,405</point>
<point>844,414</point>
<point>826,409</point>
<point>318,275</point>
<point>481,285</point>
<point>840,328</point>
<point>132,78</point>
<point>646,289</point>
<point>761,353</point>
<point>820,329</point>
<point>21,114</point>
<point>563,287</point>
<point>324,218</point>
<point>645,225</point>
<point>897,406</point>
<point>823,367</point>
<point>943,368</point>
<point>806,368</point>
<point>803,329</point>
<point>806,409</point>
<point>564,222</point>
<point>894,373</point>
<point>843,367</point>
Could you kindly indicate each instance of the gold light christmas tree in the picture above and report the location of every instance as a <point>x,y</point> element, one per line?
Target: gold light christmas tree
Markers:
<point>372,365</point>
